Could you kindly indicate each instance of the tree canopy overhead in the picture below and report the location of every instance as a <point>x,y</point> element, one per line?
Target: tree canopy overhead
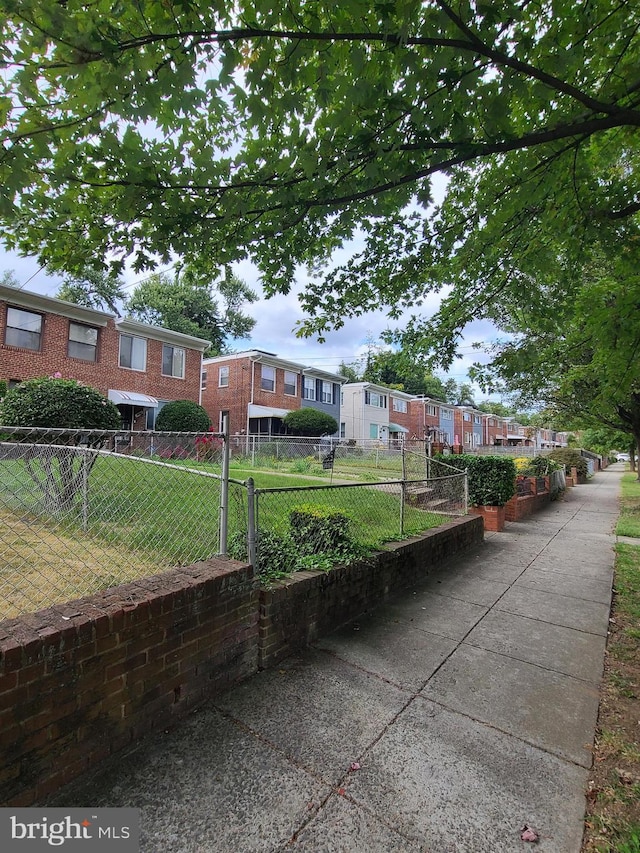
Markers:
<point>222,131</point>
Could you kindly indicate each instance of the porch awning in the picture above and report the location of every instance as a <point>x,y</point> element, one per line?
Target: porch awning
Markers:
<point>266,412</point>
<point>397,428</point>
<point>132,398</point>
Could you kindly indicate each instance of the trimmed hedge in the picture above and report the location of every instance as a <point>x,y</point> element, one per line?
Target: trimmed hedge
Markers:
<point>572,459</point>
<point>182,416</point>
<point>492,479</point>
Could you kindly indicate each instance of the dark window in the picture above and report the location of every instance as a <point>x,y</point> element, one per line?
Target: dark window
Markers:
<point>173,361</point>
<point>83,342</point>
<point>24,329</point>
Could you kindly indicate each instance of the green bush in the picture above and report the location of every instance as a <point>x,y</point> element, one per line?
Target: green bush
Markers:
<point>492,479</point>
<point>61,404</point>
<point>319,529</point>
<point>58,403</point>
<point>277,553</point>
<point>182,416</point>
<point>541,466</point>
<point>309,421</point>
<point>572,459</point>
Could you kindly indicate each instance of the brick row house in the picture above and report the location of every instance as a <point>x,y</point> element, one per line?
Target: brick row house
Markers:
<point>137,366</point>
<point>256,390</point>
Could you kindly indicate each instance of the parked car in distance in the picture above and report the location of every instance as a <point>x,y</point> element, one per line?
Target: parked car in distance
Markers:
<point>623,457</point>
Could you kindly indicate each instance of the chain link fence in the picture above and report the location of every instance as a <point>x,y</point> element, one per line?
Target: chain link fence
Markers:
<point>291,528</point>
<point>341,459</point>
<point>82,510</point>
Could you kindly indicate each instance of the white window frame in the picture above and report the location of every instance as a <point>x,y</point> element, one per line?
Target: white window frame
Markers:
<point>12,327</point>
<point>203,380</point>
<point>375,427</point>
<point>265,380</point>
<point>290,381</point>
<point>399,405</point>
<point>431,410</point>
<point>446,414</point>
<point>82,344</point>
<point>343,429</point>
<point>133,338</point>
<point>309,392</point>
<point>373,398</point>
<point>327,392</point>
<point>178,354</point>
<point>223,376</point>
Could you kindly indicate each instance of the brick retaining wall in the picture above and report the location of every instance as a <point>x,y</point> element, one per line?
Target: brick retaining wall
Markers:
<point>297,610</point>
<point>82,680</point>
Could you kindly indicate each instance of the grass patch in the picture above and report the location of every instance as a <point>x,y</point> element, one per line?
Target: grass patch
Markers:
<point>612,822</point>
<point>629,520</point>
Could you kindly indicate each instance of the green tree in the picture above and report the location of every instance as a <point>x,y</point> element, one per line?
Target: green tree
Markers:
<point>182,416</point>
<point>93,288</point>
<point>227,131</point>
<point>310,422</point>
<point>8,279</point>
<point>351,372</point>
<point>61,404</point>
<point>188,304</point>
<point>579,354</point>
<point>400,369</point>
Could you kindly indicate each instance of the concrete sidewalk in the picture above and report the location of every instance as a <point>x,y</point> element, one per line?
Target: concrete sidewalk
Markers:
<point>442,722</point>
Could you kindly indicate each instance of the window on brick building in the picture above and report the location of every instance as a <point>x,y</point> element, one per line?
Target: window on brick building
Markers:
<point>173,361</point>
<point>399,405</point>
<point>268,380</point>
<point>223,377</point>
<point>290,383</point>
<point>83,342</point>
<point>203,380</point>
<point>24,329</point>
<point>133,352</point>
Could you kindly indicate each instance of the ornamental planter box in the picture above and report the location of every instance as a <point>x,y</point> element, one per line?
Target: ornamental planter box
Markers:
<point>492,516</point>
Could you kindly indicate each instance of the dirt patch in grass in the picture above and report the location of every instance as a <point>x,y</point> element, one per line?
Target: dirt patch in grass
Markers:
<point>40,566</point>
<point>613,797</point>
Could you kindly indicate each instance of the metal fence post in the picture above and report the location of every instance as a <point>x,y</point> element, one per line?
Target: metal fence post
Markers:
<point>252,551</point>
<point>85,489</point>
<point>224,487</point>
<point>466,490</point>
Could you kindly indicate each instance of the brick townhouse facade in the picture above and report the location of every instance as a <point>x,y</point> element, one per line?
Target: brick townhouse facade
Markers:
<point>137,366</point>
<point>256,390</point>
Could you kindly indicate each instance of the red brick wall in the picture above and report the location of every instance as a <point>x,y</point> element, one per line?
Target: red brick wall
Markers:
<point>420,420</point>
<point>236,397</point>
<point>103,374</point>
<point>80,681</point>
<point>400,418</point>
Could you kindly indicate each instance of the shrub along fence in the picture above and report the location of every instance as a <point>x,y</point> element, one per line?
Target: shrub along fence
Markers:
<point>289,529</point>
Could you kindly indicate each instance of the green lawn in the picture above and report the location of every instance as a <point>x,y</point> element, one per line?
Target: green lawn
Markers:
<point>141,515</point>
<point>629,521</point>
